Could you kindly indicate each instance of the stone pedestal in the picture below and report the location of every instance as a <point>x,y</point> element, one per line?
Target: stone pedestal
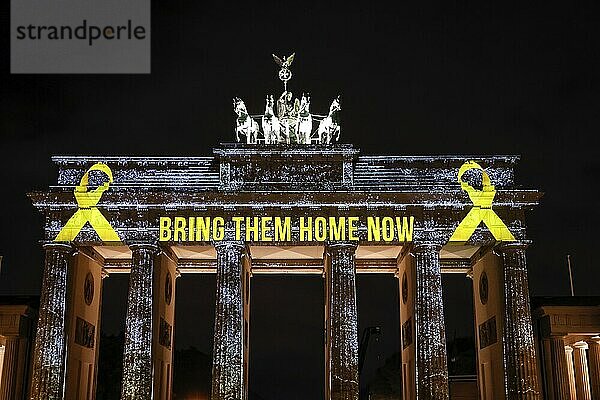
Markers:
<point>341,340</point>
<point>560,370</point>
<point>48,371</point>
<point>137,352</point>
<point>228,349</point>
<point>521,373</point>
<point>432,368</point>
<point>582,378</point>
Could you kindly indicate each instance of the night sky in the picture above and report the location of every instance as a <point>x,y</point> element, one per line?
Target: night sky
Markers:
<point>488,79</point>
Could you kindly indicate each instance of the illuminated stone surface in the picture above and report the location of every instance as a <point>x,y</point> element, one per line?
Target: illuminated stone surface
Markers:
<point>48,375</point>
<point>9,369</point>
<point>594,356</point>
<point>137,353</point>
<point>228,347</point>
<point>432,369</point>
<point>582,378</point>
<point>560,369</point>
<point>300,180</point>
<point>342,322</point>
<point>520,367</point>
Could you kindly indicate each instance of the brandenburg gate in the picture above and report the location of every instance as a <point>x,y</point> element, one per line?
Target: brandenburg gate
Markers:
<point>286,198</point>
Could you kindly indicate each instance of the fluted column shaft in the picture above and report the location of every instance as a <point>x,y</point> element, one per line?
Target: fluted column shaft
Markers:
<point>10,368</point>
<point>228,347</point>
<point>48,374</point>
<point>432,364</point>
<point>560,370</point>
<point>342,322</point>
<point>594,354</point>
<point>582,378</point>
<point>571,372</point>
<point>520,370</point>
<point>137,352</point>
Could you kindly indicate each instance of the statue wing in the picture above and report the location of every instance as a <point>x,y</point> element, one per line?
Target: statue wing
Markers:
<point>278,60</point>
<point>290,60</point>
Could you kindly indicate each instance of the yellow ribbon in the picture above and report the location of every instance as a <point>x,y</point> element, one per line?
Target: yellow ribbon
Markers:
<point>88,212</point>
<point>482,209</point>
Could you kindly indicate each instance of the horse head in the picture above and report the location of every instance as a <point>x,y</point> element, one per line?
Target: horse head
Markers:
<point>239,107</point>
<point>335,106</point>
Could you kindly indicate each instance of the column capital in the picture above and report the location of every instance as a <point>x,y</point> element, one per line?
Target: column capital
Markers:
<point>227,244</point>
<point>148,245</point>
<point>63,247</point>
<point>427,246</point>
<point>593,340</point>
<point>580,345</point>
<point>568,349</point>
<point>341,245</point>
<point>508,247</point>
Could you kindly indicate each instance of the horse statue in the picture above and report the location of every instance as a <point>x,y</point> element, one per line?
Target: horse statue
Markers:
<point>270,123</point>
<point>304,122</point>
<point>245,125</point>
<point>329,127</point>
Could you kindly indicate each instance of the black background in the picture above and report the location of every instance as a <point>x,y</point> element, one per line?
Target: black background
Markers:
<point>449,78</point>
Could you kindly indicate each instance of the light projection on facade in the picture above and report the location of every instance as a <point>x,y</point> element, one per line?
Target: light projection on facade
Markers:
<point>245,210</point>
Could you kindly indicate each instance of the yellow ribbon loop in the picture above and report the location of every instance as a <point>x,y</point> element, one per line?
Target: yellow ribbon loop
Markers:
<point>88,212</point>
<point>482,209</point>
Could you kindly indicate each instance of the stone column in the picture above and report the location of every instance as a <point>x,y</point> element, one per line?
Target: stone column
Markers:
<point>582,378</point>
<point>342,322</point>
<point>48,372</point>
<point>432,367</point>
<point>10,368</point>
<point>228,347</point>
<point>521,375</point>
<point>560,371</point>
<point>594,354</point>
<point>137,352</point>
<point>571,372</point>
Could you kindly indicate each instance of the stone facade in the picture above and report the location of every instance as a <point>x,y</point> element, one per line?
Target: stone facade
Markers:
<point>292,180</point>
